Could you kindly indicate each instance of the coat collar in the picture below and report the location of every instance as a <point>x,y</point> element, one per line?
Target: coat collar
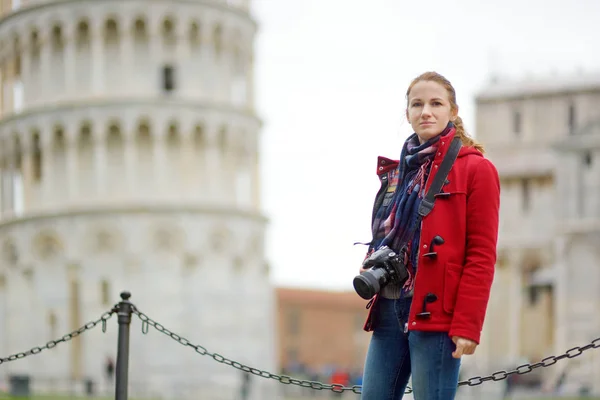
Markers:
<point>385,165</point>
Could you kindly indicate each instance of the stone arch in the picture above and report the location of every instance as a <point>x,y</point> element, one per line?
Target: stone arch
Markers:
<point>86,159</point>
<point>17,150</point>
<point>173,143</point>
<point>82,34</point>
<point>105,240</point>
<point>140,29</point>
<point>167,237</point>
<point>47,244</point>
<point>218,38</point>
<point>141,32</point>
<point>144,144</point>
<point>114,135</point>
<point>36,150</point>
<point>173,136</point>
<point>59,159</point>
<point>143,130</point>
<point>199,136</point>
<point>10,251</point>
<point>15,42</point>
<point>85,132</point>
<point>57,37</point>
<point>168,30</point>
<point>115,156</point>
<point>35,45</point>
<point>194,34</point>
<point>2,150</point>
<point>111,32</point>
<point>223,138</point>
<point>58,137</point>
<point>16,54</point>
<point>57,62</point>
<point>220,236</point>
<point>237,49</point>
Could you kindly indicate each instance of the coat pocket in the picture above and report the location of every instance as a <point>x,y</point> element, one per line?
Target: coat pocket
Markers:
<point>451,281</point>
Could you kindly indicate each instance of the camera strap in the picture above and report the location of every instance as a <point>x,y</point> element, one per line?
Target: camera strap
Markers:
<point>438,182</point>
<point>440,177</point>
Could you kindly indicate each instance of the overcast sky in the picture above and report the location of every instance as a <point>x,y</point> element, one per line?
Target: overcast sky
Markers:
<point>331,77</point>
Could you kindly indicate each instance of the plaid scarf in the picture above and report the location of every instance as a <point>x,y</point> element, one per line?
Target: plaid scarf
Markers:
<point>399,212</point>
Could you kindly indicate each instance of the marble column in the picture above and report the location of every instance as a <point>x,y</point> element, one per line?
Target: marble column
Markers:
<point>131,156</point>
<point>27,170</point>
<point>97,50</point>
<point>46,143</point>
<point>99,139</point>
<point>159,153</point>
<point>44,83</point>
<point>213,162</point>
<point>70,61</point>
<point>72,150</point>
<point>515,304</point>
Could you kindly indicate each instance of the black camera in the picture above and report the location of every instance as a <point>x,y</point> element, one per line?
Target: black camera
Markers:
<point>385,266</point>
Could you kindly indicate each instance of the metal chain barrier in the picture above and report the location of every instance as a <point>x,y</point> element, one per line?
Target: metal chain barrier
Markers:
<point>51,344</point>
<point>125,308</point>
<point>526,368</point>
<point>286,380</point>
<point>477,380</point>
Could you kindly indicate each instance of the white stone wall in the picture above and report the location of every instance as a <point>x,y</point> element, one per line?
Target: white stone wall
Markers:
<point>131,151</point>
<point>110,183</point>
<point>93,100</point>
<point>199,273</point>
<point>548,241</point>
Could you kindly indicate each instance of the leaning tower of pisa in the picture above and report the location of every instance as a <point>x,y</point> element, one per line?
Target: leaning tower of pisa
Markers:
<point>129,161</point>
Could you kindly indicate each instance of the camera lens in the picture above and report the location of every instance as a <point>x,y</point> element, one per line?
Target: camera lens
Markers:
<point>367,284</point>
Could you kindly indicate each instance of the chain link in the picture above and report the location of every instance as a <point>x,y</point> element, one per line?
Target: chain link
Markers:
<point>527,368</point>
<point>51,344</point>
<point>288,380</point>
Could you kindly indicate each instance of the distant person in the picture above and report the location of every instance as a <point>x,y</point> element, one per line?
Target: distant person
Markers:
<point>339,378</point>
<point>445,263</point>
<point>109,369</point>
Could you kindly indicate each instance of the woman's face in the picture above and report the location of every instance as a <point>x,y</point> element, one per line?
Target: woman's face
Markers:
<point>429,109</point>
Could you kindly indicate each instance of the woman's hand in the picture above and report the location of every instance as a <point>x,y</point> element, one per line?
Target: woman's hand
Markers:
<point>463,346</point>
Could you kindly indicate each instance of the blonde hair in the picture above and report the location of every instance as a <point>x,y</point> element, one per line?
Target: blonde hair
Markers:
<point>458,123</point>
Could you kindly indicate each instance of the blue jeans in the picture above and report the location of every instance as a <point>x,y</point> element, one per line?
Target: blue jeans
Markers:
<point>393,355</point>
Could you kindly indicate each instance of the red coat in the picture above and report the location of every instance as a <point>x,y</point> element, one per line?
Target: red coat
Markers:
<point>460,275</point>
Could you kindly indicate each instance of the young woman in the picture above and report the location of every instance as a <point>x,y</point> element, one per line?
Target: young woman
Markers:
<point>423,327</point>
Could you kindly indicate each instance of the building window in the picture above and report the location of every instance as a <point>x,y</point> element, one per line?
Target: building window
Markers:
<point>168,78</point>
<point>526,194</point>
<point>105,292</point>
<point>572,119</point>
<point>517,121</point>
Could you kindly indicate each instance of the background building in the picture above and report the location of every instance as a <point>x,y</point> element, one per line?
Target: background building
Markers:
<point>129,160</point>
<point>321,330</point>
<point>544,137</point>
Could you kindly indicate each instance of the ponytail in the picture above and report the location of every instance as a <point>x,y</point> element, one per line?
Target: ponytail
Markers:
<point>466,139</point>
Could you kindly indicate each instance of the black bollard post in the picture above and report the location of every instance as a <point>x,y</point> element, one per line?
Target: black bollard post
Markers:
<point>122,368</point>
